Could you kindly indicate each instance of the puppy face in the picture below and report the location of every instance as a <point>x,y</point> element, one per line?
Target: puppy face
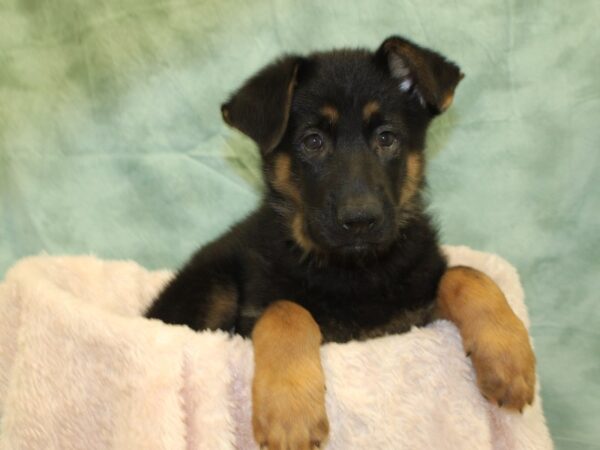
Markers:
<point>341,135</point>
<point>350,134</point>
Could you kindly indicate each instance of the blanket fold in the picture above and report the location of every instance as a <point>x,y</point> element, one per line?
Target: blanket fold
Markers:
<point>80,369</point>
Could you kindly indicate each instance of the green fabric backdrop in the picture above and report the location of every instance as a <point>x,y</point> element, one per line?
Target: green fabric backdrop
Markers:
<point>111,141</point>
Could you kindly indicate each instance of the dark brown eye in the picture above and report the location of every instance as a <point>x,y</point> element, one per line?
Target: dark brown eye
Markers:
<point>386,139</point>
<point>313,142</point>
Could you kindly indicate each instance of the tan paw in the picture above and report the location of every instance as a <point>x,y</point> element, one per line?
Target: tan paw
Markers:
<point>504,361</point>
<point>288,409</point>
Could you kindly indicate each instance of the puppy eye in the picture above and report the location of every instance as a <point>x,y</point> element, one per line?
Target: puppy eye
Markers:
<point>386,139</point>
<point>313,142</point>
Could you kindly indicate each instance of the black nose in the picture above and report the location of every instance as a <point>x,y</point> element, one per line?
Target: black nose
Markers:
<point>361,215</point>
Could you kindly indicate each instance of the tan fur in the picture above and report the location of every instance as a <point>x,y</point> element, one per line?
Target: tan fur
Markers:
<point>283,182</point>
<point>288,390</point>
<point>223,305</point>
<point>282,178</point>
<point>330,112</point>
<point>447,102</point>
<point>369,109</point>
<point>226,115</point>
<point>492,335</point>
<point>412,180</point>
<point>300,235</point>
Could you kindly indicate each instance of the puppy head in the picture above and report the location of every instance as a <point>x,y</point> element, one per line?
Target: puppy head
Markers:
<point>341,136</point>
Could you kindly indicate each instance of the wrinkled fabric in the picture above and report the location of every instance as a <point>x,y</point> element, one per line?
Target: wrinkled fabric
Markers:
<point>111,141</point>
<point>82,370</point>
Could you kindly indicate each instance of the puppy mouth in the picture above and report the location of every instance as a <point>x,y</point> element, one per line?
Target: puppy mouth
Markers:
<point>358,247</point>
<point>332,241</point>
<point>361,248</point>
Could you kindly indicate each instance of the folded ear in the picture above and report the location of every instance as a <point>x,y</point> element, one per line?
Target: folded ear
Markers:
<point>261,107</point>
<point>422,71</point>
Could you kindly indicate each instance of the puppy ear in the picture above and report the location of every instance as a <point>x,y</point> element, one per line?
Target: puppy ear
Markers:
<point>422,71</point>
<point>261,107</point>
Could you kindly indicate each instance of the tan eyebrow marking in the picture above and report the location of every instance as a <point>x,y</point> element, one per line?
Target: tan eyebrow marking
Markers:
<point>369,109</point>
<point>330,113</point>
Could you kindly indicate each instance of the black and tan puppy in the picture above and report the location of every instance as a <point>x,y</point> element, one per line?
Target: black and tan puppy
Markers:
<point>341,247</point>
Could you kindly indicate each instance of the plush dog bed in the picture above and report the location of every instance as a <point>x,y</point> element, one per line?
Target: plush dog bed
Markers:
<point>79,368</point>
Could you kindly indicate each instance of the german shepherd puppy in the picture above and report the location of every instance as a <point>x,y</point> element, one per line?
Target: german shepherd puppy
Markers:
<point>341,247</point>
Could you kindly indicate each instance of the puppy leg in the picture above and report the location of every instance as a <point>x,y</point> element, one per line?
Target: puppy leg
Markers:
<point>492,335</point>
<point>288,390</point>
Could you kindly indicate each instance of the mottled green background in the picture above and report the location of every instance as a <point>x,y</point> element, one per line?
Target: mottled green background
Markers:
<point>111,141</point>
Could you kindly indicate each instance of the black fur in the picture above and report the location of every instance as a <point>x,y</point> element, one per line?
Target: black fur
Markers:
<point>340,230</point>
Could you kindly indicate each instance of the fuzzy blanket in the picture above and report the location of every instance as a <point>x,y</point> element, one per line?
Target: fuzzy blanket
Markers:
<point>80,369</point>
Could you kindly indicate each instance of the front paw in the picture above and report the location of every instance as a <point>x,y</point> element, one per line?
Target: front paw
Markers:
<point>504,362</point>
<point>288,409</point>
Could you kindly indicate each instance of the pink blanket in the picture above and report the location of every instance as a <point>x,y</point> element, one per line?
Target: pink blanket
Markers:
<point>80,369</point>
